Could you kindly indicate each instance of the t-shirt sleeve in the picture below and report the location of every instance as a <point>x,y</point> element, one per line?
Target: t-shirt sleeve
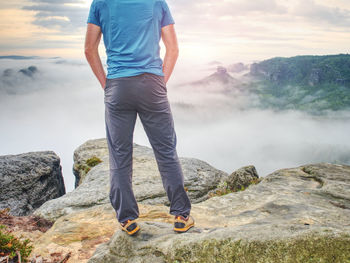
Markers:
<point>94,16</point>
<point>167,18</point>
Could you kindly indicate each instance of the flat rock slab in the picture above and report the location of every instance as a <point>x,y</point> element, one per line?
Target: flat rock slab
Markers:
<point>199,179</point>
<point>158,244</point>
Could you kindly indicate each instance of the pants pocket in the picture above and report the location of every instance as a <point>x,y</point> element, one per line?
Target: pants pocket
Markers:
<point>158,80</point>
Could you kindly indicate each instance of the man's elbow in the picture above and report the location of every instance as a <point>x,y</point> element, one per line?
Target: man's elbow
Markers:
<point>90,51</point>
<point>174,50</point>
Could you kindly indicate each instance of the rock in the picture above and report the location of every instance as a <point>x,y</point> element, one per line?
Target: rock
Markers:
<point>79,233</point>
<point>292,215</point>
<point>91,148</point>
<point>28,180</point>
<point>199,179</point>
<point>157,243</point>
<point>242,178</point>
<point>237,181</point>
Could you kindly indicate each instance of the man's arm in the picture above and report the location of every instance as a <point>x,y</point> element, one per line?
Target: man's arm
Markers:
<point>172,50</point>
<point>92,40</point>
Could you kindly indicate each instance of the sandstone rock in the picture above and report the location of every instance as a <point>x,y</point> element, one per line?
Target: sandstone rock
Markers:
<point>292,215</point>
<point>199,179</point>
<point>237,181</point>
<point>91,148</point>
<point>79,233</point>
<point>28,180</point>
<point>242,178</point>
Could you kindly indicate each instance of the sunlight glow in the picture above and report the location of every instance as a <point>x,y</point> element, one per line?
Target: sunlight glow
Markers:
<point>82,3</point>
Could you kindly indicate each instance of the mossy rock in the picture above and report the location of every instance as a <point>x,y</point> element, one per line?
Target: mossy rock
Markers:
<point>312,248</point>
<point>85,166</point>
<point>93,161</point>
<point>239,180</point>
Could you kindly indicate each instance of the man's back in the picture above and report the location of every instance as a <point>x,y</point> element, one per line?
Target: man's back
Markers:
<point>131,33</point>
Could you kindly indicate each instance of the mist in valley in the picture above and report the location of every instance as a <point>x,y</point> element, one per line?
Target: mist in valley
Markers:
<point>58,105</point>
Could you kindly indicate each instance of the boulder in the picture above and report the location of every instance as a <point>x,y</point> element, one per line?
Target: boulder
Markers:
<point>237,181</point>
<point>199,179</point>
<point>242,178</point>
<point>28,180</point>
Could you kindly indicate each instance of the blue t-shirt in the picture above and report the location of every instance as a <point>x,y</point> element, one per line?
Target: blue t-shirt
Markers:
<point>131,33</point>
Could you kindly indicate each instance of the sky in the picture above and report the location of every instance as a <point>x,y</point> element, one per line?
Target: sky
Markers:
<point>207,30</point>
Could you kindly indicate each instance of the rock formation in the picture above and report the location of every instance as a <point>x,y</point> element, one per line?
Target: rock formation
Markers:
<point>199,178</point>
<point>291,215</point>
<point>221,76</point>
<point>28,180</point>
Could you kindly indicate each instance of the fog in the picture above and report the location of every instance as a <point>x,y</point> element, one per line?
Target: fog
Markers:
<point>61,106</point>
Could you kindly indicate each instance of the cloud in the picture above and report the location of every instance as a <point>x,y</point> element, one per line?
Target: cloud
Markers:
<point>12,4</point>
<point>321,14</point>
<point>64,107</point>
<point>59,15</point>
<point>203,16</point>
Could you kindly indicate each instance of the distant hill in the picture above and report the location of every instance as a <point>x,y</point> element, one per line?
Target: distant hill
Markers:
<point>218,82</point>
<point>219,77</point>
<point>310,83</point>
<point>18,57</point>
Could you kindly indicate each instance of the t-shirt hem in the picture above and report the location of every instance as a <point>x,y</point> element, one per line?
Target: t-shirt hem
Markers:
<point>130,74</point>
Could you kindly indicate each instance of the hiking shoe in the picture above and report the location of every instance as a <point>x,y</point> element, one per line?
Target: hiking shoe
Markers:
<point>182,223</point>
<point>130,227</point>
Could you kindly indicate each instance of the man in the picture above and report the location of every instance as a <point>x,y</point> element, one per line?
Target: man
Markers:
<point>136,84</point>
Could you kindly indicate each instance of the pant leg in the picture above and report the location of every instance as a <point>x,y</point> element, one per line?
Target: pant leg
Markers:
<point>120,117</point>
<point>156,117</point>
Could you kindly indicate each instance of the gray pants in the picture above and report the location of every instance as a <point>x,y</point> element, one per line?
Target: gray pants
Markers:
<point>145,95</point>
